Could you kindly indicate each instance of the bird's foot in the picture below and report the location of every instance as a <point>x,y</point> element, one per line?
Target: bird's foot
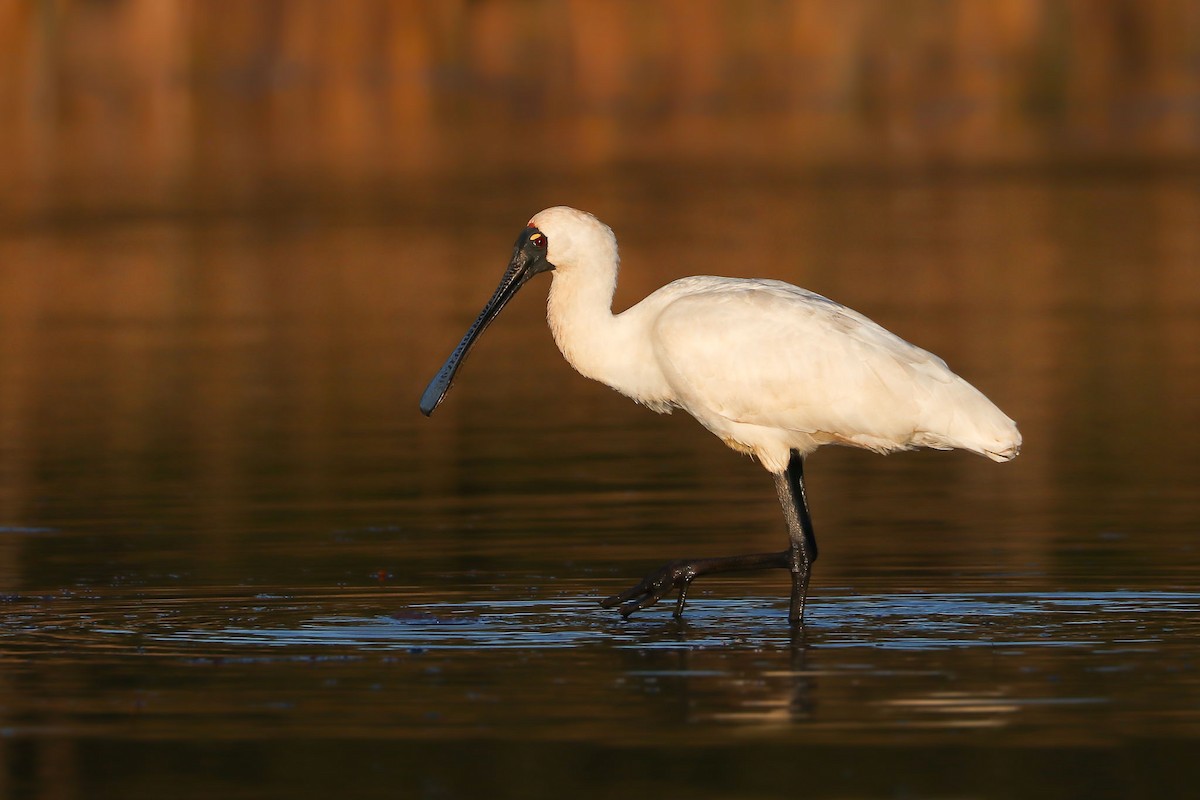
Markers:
<point>655,586</point>
<point>680,574</point>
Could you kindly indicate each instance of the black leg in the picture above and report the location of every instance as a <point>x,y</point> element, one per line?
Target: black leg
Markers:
<point>680,574</point>
<point>803,551</point>
<point>798,558</point>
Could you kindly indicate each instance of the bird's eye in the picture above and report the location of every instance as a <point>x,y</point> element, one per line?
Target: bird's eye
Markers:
<point>539,241</point>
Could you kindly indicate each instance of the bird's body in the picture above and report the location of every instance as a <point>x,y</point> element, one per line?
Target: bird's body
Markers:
<point>766,366</point>
<point>773,370</point>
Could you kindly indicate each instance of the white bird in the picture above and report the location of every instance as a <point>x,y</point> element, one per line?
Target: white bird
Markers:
<point>774,370</point>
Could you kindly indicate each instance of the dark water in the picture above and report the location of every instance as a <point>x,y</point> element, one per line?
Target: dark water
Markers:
<point>237,562</point>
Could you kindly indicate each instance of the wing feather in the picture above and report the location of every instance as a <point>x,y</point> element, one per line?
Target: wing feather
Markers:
<point>769,353</point>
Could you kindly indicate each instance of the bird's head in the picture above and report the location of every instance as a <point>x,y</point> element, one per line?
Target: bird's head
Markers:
<point>552,240</point>
<point>573,236</point>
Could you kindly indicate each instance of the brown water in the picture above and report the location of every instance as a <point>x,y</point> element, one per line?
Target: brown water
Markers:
<point>237,562</point>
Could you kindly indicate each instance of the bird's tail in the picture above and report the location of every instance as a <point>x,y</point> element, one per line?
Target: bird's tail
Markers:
<point>975,424</point>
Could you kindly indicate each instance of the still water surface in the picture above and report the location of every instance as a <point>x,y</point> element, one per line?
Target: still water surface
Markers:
<point>237,562</point>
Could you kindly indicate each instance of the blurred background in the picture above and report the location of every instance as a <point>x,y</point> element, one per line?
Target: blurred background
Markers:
<point>237,238</point>
<point>233,234</point>
<point>138,105</point>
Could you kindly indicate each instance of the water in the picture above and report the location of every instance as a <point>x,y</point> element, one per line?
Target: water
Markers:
<point>236,561</point>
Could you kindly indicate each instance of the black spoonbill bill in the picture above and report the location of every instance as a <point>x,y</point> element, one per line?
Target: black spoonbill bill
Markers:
<point>774,370</point>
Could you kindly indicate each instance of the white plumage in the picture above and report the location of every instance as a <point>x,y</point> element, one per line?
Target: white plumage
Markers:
<point>773,370</point>
<point>766,366</point>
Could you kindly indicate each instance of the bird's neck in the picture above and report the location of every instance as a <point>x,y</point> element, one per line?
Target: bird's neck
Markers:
<point>579,310</point>
<point>615,349</point>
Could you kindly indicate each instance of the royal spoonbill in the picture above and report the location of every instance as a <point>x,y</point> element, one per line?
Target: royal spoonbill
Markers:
<point>774,370</point>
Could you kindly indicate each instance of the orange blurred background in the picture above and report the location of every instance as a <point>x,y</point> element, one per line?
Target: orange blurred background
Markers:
<point>219,216</point>
<point>198,102</point>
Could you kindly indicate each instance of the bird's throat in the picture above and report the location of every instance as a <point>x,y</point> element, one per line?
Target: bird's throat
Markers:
<point>579,311</point>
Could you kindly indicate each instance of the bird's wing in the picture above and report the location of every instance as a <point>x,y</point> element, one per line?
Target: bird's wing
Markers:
<point>772,354</point>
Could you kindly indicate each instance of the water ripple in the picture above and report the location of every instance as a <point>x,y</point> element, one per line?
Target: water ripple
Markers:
<point>913,621</point>
<point>396,622</point>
